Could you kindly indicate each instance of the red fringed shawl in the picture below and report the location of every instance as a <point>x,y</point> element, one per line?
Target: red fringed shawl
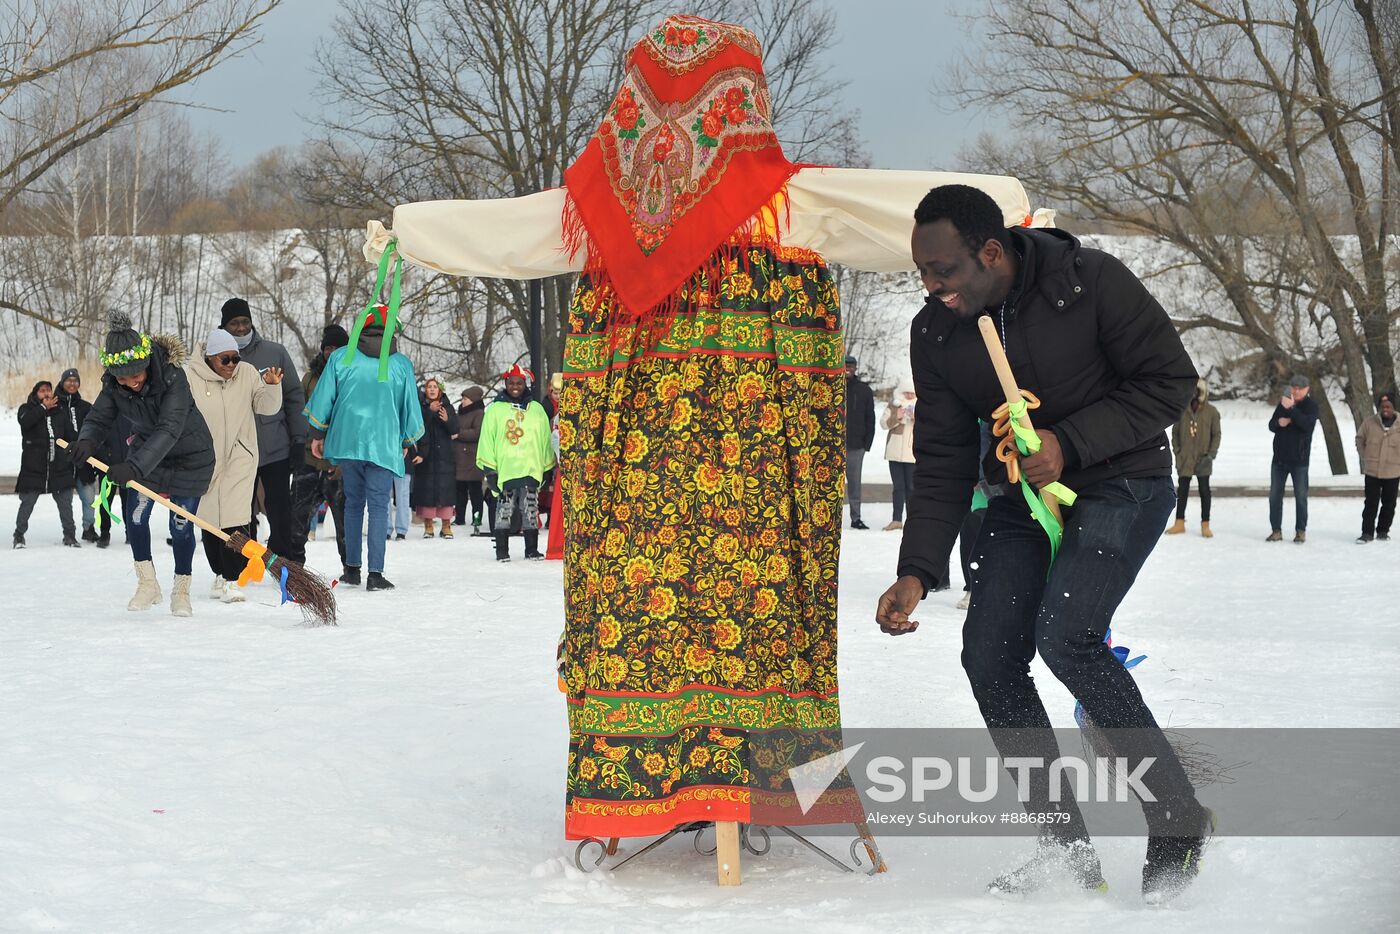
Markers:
<point>683,160</point>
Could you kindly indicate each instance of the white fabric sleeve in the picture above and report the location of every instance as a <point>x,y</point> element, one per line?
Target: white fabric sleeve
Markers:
<point>503,238</point>
<point>863,218</point>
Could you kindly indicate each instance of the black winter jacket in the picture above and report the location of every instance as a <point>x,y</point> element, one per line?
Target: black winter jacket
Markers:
<point>75,411</point>
<point>1081,333</point>
<point>44,467</point>
<point>860,414</point>
<point>171,447</point>
<point>435,480</point>
<point>1293,442</point>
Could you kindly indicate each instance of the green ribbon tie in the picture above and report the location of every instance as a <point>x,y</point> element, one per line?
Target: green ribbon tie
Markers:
<point>391,316</point>
<point>1028,442</point>
<point>102,503</point>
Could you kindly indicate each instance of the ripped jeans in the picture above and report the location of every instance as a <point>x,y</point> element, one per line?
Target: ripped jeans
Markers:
<point>138,529</point>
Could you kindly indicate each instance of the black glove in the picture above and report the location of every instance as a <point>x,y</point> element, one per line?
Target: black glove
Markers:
<point>493,483</point>
<point>123,473</point>
<point>296,454</point>
<point>80,451</point>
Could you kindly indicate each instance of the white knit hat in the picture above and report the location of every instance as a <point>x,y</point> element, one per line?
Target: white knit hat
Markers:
<point>220,341</point>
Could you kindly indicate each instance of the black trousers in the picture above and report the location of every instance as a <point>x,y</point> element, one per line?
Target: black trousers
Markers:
<point>1380,496</point>
<point>223,560</point>
<point>276,480</point>
<point>967,539</point>
<point>1183,492</point>
<point>310,488</point>
<point>469,490</point>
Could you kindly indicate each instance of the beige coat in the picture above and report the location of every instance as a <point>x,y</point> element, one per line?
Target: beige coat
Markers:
<point>1379,448</point>
<point>898,420</point>
<point>228,407</point>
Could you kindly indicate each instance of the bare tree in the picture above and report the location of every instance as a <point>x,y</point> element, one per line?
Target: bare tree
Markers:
<point>1230,128</point>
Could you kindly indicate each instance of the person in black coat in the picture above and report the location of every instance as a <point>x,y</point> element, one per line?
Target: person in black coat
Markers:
<point>44,467</point>
<point>860,435</point>
<point>1292,423</point>
<point>69,395</point>
<point>434,491</point>
<point>1085,336</point>
<point>171,451</point>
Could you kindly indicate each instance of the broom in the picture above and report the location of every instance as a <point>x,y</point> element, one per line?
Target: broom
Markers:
<point>310,593</point>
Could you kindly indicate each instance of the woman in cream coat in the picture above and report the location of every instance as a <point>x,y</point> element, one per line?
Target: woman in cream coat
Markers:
<point>228,393</point>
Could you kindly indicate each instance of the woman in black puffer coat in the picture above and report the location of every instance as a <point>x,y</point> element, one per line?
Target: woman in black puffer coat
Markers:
<point>44,467</point>
<point>434,493</point>
<point>171,453</point>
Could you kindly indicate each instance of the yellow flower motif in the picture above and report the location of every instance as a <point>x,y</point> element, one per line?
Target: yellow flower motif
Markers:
<point>681,414</point>
<point>635,447</point>
<point>699,757</point>
<point>639,570</point>
<point>614,543</point>
<point>775,290</point>
<point>588,769</point>
<point>775,568</point>
<point>662,602</point>
<point>673,567</point>
<point>726,633</point>
<point>709,478</point>
<point>732,669</point>
<point>610,423</point>
<point>750,388</point>
<point>765,603</point>
<point>609,631</point>
<point>698,658</point>
<point>729,449</point>
<point>654,763</point>
<point>726,547</point>
<point>636,483</point>
<point>614,669</point>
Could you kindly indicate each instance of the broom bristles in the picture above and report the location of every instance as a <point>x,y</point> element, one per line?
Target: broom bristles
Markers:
<point>313,595</point>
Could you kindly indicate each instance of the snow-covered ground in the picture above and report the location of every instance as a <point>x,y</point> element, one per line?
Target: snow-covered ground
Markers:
<point>404,772</point>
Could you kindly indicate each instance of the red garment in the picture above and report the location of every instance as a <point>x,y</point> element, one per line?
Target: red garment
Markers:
<point>684,159</point>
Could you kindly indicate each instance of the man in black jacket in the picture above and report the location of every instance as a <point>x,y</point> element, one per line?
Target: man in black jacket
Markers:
<point>1083,334</point>
<point>860,435</point>
<point>44,467</point>
<point>1292,423</point>
<point>75,409</point>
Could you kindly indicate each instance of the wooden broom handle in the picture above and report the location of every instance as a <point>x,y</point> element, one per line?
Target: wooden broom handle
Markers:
<point>1002,366</point>
<point>178,510</point>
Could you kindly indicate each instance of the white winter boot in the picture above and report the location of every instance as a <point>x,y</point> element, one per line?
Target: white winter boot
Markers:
<point>180,596</point>
<point>219,588</point>
<point>233,593</point>
<point>147,590</point>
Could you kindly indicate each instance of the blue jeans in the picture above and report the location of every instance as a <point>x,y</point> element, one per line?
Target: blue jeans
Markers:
<point>1279,474</point>
<point>86,493</point>
<point>366,485</point>
<point>1017,611</point>
<point>137,509</point>
<point>398,513</point>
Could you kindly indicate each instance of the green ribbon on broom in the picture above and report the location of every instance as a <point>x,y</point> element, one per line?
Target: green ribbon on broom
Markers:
<point>102,503</point>
<point>1028,442</point>
<point>391,315</point>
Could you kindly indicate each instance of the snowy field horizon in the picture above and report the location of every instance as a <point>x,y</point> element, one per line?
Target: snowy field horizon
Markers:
<point>404,771</point>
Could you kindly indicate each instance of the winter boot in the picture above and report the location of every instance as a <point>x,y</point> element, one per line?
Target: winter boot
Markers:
<point>1275,536</point>
<point>180,596</point>
<point>219,588</point>
<point>349,576</point>
<point>1053,860</point>
<point>1173,862</point>
<point>502,546</point>
<point>377,581</point>
<point>532,547</point>
<point>104,538</point>
<point>19,540</point>
<point>894,526</point>
<point>147,590</point>
<point>427,528</point>
<point>1177,527</point>
<point>447,529</point>
<point>476,523</point>
<point>1299,537</point>
<point>70,540</point>
<point>1205,530</point>
<point>89,534</point>
<point>966,600</point>
<point>233,593</point>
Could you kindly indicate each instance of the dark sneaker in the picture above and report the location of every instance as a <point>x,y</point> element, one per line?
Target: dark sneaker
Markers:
<point>1275,536</point>
<point>1053,861</point>
<point>1365,539</point>
<point>1383,537</point>
<point>89,534</point>
<point>377,581</point>
<point>19,541</point>
<point>1173,862</point>
<point>104,540</point>
<point>400,537</point>
<point>534,556</point>
<point>857,524</point>
<point>71,541</point>
<point>499,557</point>
<point>350,577</point>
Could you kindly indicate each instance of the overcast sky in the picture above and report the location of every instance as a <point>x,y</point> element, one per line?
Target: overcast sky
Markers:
<point>887,51</point>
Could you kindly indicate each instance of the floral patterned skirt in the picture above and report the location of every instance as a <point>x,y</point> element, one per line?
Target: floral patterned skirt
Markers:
<point>703,457</point>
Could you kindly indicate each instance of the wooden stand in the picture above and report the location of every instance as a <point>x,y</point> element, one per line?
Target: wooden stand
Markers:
<point>727,852</point>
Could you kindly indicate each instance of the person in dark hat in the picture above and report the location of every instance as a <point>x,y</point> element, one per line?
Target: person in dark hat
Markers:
<point>171,451</point>
<point>75,408</point>
<point>316,480</point>
<point>860,435</point>
<point>281,437</point>
<point>44,467</point>
<point>1292,423</point>
<point>470,412</point>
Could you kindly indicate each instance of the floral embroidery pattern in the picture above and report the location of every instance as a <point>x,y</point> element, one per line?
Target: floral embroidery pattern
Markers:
<point>683,43</point>
<point>703,461</point>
